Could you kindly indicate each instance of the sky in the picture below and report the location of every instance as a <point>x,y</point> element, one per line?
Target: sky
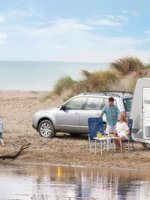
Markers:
<point>74,30</point>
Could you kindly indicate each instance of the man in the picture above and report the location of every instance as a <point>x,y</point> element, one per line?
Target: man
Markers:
<point>111,112</point>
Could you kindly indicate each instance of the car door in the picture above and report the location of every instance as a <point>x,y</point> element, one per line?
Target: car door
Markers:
<point>92,108</point>
<point>68,117</point>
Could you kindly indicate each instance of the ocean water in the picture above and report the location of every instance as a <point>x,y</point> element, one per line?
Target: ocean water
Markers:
<point>38,76</point>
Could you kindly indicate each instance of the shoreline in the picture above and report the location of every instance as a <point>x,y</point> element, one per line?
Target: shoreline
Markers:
<point>17,109</point>
<point>87,166</point>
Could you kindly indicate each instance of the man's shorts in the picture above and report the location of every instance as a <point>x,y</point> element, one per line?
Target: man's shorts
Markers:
<point>110,129</point>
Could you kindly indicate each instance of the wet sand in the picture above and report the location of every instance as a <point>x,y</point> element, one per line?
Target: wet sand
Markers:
<point>17,109</point>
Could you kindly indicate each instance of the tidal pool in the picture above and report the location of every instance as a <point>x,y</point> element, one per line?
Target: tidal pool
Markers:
<point>45,182</point>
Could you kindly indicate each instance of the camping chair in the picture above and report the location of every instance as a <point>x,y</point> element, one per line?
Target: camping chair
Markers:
<point>130,123</point>
<point>129,140</point>
<point>95,125</point>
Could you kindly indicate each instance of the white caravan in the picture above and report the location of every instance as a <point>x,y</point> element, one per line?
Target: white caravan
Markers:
<point>140,111</point>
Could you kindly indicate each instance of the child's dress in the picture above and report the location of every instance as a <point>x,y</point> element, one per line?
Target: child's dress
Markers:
<point>122,128</point>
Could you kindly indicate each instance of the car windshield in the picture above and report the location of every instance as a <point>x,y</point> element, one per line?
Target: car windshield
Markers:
<point>127,104</point>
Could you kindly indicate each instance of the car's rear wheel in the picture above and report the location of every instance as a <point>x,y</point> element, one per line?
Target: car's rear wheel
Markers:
<point>46,129</point>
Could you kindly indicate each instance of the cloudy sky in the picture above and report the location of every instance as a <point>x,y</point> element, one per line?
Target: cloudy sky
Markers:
<point>74,30</point>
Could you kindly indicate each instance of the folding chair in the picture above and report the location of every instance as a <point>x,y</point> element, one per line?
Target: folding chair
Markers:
<point>129,140</point>
<point>95,125</point>
<point>130,123</point>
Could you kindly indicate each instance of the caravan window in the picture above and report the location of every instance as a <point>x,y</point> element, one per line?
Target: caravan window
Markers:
<point>127,104</point>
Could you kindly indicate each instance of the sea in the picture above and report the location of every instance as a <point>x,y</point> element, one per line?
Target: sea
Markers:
<point>39,75</point>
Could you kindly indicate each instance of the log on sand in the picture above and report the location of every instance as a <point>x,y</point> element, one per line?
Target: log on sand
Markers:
<point>15,155</point>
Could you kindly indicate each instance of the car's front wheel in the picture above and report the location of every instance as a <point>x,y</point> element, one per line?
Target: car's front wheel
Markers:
<point>46,129</point>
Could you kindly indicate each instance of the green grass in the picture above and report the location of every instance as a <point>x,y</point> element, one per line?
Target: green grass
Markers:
<point>131,85</point>
<point>47,97</point>
<point>102,80</point>
<point>96,81</point>
<point>127,65</point>
<point>63,84</point>
<point>147,66</point>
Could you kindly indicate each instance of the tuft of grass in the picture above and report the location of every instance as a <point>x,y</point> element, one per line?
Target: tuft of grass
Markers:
<point>62,84</point>
<point>67,97</point>
<point>147,66</point>
<point>97,81</point>
<point>131,86</point>
<point>47,97</point>
<point>127,65</point>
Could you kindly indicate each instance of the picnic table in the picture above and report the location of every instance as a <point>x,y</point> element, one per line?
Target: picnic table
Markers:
<point>105,143</point>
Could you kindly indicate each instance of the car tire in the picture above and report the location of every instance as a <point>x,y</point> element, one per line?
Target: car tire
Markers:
<point>46,129</point>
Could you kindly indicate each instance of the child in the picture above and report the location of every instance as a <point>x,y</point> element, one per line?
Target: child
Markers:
<point>122,130</point>
<point>1,132</point>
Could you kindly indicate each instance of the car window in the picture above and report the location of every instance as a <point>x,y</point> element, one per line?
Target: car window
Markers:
<point>94,103</point>
<point>75,104</point>
<point>127,104</point>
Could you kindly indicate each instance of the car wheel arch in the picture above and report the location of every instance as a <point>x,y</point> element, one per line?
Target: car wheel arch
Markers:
<point>46,118</point>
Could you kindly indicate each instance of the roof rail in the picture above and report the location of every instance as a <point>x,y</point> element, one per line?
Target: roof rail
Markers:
<point>114,93</point>
<point>122,91</point>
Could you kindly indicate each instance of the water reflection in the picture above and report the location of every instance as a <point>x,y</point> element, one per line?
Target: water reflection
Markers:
<point>39,182</point>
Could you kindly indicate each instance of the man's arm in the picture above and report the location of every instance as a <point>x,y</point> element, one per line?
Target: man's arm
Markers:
<point>102,111</point>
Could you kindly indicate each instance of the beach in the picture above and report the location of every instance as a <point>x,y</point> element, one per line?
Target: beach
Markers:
<point>17,109</point>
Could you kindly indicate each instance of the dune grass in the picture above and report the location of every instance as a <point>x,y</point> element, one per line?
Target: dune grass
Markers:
<point>103,80</point>
<point>147,66</point>
<point>47,97</point>
<point>62,84</point>
<point>127,65</point>
<point>97,81</point>
<point>131,85</point>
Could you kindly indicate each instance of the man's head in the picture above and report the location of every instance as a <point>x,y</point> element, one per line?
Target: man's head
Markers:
<point>110,101</point>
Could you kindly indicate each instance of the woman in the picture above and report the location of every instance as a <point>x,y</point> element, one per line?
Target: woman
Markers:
<point>122,131</point>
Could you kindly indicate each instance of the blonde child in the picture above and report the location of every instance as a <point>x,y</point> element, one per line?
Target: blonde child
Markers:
<point>122,130</point>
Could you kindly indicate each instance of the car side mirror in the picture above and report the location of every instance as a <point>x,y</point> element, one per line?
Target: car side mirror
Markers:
<point>63,107</point>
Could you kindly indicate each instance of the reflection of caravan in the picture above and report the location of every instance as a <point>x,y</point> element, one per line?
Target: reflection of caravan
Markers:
<point>140,111</point>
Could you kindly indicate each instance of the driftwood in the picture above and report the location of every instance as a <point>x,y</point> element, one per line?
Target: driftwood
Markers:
<point>8,156</point>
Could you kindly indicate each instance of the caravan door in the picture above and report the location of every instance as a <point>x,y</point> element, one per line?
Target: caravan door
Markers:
<point>146,113</point>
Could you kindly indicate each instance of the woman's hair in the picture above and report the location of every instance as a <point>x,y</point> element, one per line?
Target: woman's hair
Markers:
<point>124,118</point>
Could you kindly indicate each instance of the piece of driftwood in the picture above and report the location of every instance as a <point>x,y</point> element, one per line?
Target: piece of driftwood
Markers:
<point>15,155</point>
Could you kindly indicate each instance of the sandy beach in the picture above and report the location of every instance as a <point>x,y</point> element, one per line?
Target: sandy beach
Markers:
<point>17,109</point>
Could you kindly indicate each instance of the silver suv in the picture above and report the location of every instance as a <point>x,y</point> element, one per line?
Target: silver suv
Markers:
<point>72,116</point>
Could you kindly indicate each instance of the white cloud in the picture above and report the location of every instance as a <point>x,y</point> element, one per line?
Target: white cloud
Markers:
<point>3,37</point>
<point>109,20</point>
<point>58,28</point>
<point>147,32</point>
<point>15,15</point>
<point>135,13</point>
<point>2,19</point>
<point>105,22</point>
<point>72,40</point>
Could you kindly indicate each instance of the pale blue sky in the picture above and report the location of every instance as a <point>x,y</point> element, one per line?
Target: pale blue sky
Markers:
<point>74,30</point>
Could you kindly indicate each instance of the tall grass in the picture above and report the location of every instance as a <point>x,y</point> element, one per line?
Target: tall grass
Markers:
<point>131,85</point>
<point>127,65</point>
<point>147,66</point>
<point>97,81</point>
<point>112,79</point>
<point>62,84</point>
<point>47,97</point>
